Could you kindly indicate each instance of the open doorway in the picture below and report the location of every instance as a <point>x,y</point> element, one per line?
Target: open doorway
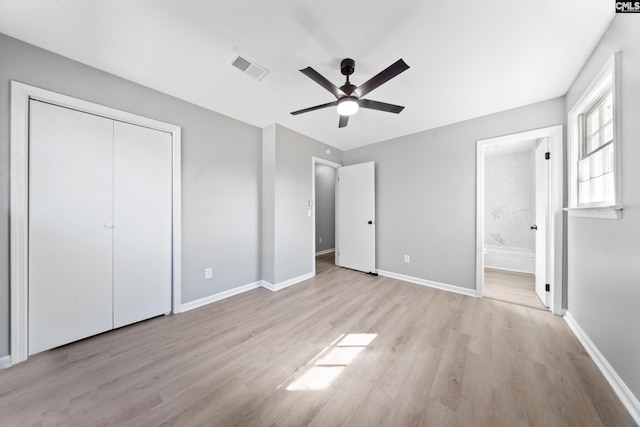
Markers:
<point>323,194</point>
<point>510,207</point>
<point>354,213</point>
<point>325,217</point>
<point>519,218</point>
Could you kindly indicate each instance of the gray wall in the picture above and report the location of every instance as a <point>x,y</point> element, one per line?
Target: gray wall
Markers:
<point>220,170</point>
<point>426,192</point>
<point>603,268</point>
<point>325,207</point>
<point>293,228</point>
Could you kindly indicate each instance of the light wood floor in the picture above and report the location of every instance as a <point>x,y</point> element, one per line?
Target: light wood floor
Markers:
<point>399,355</point>
<point>511,287</point>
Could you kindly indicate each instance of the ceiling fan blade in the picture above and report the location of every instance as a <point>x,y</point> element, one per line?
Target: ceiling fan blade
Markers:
<point>317,107</point>
<point>381,106</point>
<point>382,77</point>
<point>343,121</point>
<point>318,78</point>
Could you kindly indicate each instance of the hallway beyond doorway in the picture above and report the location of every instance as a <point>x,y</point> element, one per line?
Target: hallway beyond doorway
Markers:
<point>511,287</point>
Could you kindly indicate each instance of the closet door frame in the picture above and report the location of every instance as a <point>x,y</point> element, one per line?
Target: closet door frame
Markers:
<point>21,94</point>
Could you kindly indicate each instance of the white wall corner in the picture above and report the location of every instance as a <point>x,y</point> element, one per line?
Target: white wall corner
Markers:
<point>429,283</point>
<point>619,387</point>
<point>219,296</point>
<point>5,362</point>
<point>268,285</point>
<point>287,283</point>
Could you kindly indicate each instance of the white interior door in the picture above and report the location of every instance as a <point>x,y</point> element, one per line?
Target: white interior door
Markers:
<point>355,222</point>
<point>542,212</point>
<point>142,223</point>
<point>70,212</point>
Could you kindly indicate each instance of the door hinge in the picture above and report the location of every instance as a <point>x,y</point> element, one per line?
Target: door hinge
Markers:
<point>547,287</point>
<point>547,155</point>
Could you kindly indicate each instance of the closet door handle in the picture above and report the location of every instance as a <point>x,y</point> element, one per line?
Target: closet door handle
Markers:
<point>108,225</point>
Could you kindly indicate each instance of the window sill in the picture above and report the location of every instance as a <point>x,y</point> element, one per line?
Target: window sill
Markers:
<point>608,212</point>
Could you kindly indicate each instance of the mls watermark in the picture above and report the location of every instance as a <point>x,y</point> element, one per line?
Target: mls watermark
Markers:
<point>628,7</point>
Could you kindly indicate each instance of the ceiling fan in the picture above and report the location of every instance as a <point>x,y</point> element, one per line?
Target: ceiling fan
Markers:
<point>348,96</point>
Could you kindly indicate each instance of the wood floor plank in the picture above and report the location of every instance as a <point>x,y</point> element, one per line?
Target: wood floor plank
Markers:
<point>261,358</point>
<point>512,287</point>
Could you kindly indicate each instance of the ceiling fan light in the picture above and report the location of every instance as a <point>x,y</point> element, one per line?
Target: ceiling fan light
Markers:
<point>348,106</point>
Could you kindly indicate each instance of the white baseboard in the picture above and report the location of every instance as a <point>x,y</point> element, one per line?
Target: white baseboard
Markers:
<point>219,296</point>
<point>240,289</point>
<point>5,362</point>
<point>429,283</point>
<point>619,387</point>
<point>326,251</point>
<point>287,283</point>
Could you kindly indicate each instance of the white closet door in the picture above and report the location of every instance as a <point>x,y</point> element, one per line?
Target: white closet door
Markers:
<point>70,209</point>
<point>142,223</point>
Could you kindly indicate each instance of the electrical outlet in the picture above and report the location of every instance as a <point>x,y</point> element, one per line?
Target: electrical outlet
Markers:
<point>320,240</point>
<point>208,273</point>
<point>407,259</point>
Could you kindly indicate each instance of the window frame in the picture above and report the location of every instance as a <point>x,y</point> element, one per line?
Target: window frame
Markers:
<point>584,153</point>
<point>607,80</point>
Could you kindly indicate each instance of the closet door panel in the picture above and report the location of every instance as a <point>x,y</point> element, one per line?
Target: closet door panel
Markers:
<point>70,248</point>
<point>142,218</point>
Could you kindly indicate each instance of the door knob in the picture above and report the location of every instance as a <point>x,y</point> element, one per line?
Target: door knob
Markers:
<point>370,222</point>
<point>534,227</point>
<point>108,225</point>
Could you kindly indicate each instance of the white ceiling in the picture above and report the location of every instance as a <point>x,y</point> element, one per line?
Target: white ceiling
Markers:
<point>468,58</point>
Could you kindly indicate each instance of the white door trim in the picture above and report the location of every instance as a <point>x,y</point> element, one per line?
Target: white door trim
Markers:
<point>556,193</point>
<point>541,219</point>
<point>19,187</point>
<point>314,162</point>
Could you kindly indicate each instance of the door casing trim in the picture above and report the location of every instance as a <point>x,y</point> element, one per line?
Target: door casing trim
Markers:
<point>556,213</point>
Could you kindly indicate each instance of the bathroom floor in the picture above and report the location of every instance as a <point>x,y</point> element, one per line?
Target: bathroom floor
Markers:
<point>511,287</point>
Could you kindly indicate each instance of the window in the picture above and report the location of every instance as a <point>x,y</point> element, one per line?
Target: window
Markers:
<point>595,176</point>
<point>594,148</point>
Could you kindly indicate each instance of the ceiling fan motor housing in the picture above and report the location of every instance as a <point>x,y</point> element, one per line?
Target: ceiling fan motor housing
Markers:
<point>347,66</point>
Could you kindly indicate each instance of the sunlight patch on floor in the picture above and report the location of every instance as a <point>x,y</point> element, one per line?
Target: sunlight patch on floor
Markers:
<point>323,369</point>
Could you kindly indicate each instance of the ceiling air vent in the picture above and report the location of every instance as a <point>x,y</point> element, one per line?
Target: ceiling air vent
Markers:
<point>249,67</point>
